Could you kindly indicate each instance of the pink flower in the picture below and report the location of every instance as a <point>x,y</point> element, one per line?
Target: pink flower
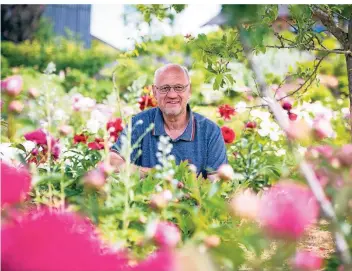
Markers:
<point>287,209</point>
<point>166,234</point>
<point>307,261</point>
<point>94,179</point>
<point>287,106</point>
<point>16,106</point>
<point>324,150</point>
<point>12,85</point>
<point>226,111</point>
<point>45,240</point>
<point>292,116</point>
<point>15,184</point>
<point>162,260</point>
<point>37,136</point>
<point>345,155</point>
<point>322,127</point>
<point>228,134</point>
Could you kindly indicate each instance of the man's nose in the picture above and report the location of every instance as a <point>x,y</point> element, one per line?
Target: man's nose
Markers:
<point>172,93</point>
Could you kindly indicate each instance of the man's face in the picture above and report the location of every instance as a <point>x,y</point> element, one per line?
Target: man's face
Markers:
<point>172,103</point>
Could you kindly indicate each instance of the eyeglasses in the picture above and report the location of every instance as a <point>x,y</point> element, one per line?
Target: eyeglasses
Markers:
<point>178,88</point>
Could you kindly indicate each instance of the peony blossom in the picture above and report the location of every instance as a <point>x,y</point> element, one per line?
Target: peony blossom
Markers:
<point>146,101</point>
<point>281,210</point>
<point>12,85</point>
<point>15,184</point>
<point>33,93</point>
<point>37,136</point>
<point>98,144</point>
<point>345,155</point>
<point>50,240</point>
<point>165,234</point>
<point>226,111</point>
<point>307,261</point>
<point>228,134</point>
<point>80,138</point>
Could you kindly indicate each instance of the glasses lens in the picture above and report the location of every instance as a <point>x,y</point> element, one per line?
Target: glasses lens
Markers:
<point>165,89</point>
<point>178,88</point>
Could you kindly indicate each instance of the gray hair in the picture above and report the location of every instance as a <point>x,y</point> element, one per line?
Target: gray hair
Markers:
<point>167,66</point>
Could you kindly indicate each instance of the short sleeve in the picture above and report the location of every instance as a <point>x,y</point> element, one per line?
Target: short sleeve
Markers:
<point>216,151</point>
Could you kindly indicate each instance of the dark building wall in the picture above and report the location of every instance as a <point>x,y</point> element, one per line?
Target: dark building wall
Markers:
<point>73,17</point>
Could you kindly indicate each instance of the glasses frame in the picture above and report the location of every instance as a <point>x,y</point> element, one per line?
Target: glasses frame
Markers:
<point>172,87</point>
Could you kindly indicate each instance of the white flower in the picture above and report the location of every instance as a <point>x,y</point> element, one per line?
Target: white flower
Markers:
<point>60,115</point>
<point>241,107</point>
<point>280,152</point>
<point>9,154</point>
<point>93,126</point>
<point>260,114</point>
<point>271,129</point>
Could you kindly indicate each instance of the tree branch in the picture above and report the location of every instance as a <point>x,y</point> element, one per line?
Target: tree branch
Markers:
<point>327,21</point>
<point>335,51</point>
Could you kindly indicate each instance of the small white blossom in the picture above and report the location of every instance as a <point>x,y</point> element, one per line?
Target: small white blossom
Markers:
<point>241,107</point>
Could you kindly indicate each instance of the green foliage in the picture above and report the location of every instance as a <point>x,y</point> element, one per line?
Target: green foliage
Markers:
<point>5,71</point>
<point>64,53</point>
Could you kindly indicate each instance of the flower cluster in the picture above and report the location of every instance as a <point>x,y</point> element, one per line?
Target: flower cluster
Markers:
<point>226,111</point>
<point>146,101</point>
<point>164,157</point>
<point>43,141</point>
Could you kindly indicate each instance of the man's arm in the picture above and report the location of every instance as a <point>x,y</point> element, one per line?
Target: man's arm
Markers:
<point>117,162</point>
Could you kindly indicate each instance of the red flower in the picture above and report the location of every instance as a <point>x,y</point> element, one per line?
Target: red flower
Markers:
<point>287,209</point>
<point>114,126</point>
<point>81,138</point>
<point>228,134</point>
<point>166,235</point>
<point>98,144</point>
<point>251,125</point>
<point>307,261</point>
<point>292,116</point>
<point>12,85</point>
<point>37,136</point>
<point>15,184</point>
<point>146,101</point>
<point>287,106</point>
<point>46,240</point>
<point>226,111</point>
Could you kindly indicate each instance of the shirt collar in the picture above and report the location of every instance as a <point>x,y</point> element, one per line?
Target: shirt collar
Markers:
<point>188,134</point>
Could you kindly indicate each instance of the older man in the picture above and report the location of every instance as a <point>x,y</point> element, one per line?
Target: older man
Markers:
<point>193,137</point>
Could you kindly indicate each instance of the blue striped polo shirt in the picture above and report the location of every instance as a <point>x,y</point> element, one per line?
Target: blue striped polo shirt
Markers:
<point>201,143</point>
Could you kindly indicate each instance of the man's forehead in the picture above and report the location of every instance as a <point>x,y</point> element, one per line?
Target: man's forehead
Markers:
<point>172,73</point>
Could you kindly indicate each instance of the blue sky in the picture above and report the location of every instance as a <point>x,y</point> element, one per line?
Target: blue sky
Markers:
<point>107,24</point>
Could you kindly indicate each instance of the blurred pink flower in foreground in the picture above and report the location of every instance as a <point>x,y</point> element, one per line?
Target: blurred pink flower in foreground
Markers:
<point>287,209</point>
<point>12,85</point>
<point>165,234</point>
<point>15,184</point>
<point>55,241</point>
<point>50,241</point>
<point>307,261</point>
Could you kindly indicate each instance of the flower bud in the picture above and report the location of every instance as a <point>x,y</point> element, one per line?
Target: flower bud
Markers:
<point>167,234</point>
<point>345,155</point>
<point>16,106</point>
<point>13,85</point>
<point>65,130</point>
<point>292,116</point>
<point>251,124</point>
<point>212,241</point>
<point>245,204</point>
<point>287,106</point>
<point>33,93</point>
<point>94,179</point>
<point>226,172</point>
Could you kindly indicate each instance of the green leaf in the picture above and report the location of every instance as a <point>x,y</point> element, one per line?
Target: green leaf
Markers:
<point>218,81</point>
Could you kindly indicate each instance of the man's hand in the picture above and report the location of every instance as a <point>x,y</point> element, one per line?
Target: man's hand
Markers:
<point>117,162</point>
